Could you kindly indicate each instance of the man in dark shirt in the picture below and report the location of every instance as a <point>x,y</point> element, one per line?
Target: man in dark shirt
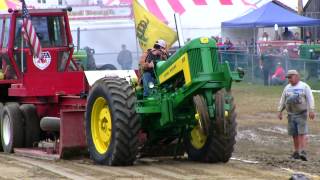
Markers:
<point>287,35</point>
<point>125,58</point>
<point>266,65</point>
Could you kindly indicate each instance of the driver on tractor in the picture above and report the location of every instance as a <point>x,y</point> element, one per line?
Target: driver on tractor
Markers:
<point>148,62</point>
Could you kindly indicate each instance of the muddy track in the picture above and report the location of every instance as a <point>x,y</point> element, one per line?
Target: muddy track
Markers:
<point>16,167</point>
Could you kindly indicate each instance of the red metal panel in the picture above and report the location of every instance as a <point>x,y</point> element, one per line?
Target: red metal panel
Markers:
<point>72,130</point>
<point>50,84</point>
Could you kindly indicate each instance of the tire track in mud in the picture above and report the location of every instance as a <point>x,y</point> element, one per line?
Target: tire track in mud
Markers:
<point>163,168</point>
<point>140,170</point>
<point>52,167</point>
<point>112,172</point>
<point>175,169</point>
<point>13,169</point>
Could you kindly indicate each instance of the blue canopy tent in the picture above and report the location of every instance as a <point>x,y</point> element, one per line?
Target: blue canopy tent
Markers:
<point>267,16</point>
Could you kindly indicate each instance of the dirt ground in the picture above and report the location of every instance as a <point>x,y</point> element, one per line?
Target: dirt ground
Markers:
<point>262,151</point>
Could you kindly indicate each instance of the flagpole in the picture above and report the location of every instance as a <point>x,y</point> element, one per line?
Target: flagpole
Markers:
<point>175,22</point>
<point>135,34</point>
<point>137,41</point>
<point>22,52</point>
<point>179,29</point>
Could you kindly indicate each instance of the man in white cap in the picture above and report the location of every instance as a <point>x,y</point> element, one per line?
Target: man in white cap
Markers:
<point>298,100</point>
<point>148,61</point>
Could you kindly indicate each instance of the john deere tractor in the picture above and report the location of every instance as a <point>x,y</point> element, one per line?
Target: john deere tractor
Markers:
<point>50,108</point>
<point>190,109</point>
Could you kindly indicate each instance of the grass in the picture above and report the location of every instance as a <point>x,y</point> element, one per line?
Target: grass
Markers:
<point>254,99</point>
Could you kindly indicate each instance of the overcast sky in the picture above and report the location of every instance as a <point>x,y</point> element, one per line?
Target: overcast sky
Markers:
<point>293,3</point>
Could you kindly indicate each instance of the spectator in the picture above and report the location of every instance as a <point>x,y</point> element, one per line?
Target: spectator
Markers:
<point>90,58</point>
<point>265,36</point>
<point>287,35</point>
<point>296,36</point>
<point>252,46</point>
<point>125,58</point>
<point>308,37</point>
<point>298,100</point>
<point>278,77</point>
<point>219,42</point>
<point>266,65</point>
<point>228,44</point>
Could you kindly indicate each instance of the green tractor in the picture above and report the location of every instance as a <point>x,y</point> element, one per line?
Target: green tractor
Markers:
<point>84,58</point>
<point>311,53</point>
<point>189,110</point>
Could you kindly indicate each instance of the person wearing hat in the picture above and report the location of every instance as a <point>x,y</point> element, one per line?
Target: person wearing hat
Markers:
<point>298,101</point>
<point>148,61</point>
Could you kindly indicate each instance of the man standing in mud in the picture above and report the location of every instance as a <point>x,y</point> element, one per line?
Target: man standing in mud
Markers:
<point>298,100</point>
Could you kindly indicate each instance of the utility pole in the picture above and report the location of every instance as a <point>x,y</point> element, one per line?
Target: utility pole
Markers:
<point>300,7</point>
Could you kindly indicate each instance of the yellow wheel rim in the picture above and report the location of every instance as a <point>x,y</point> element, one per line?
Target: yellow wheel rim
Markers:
<point>198,139</point>
<point>101,125</point>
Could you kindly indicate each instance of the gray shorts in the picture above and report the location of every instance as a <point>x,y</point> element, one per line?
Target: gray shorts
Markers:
<point>297,124</point>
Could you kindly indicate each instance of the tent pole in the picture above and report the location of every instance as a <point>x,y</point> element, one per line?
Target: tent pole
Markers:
<point>254,40</point>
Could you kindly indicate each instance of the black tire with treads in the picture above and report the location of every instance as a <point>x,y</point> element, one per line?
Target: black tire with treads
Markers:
<point>120,97</point>
<point>15,119</point>
<point>1,109</point>
<point>219,145</point>
<point>222,144</point>
<point>31,123</point>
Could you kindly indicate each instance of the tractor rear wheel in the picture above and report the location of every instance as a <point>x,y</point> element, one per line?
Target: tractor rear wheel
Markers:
<point>219,144</point>
<point>111,122</point>
<point>32,124</point>
<point>12,130</point>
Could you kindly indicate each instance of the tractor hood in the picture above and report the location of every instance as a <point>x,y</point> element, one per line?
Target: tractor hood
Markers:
<point>93,76</point>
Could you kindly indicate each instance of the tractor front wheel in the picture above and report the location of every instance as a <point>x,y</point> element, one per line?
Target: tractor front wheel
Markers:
<point>219,144</point>
<point>111,122</point>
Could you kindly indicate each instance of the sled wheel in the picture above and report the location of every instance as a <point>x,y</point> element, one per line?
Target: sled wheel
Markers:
<point>32,124</point>
<point>11,128</point>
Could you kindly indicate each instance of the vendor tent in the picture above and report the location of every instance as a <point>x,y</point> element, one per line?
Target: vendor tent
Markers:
<point>267,16</point>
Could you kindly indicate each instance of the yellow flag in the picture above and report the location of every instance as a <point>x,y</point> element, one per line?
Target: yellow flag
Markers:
<point>149,29</point>
<point>3,5</point>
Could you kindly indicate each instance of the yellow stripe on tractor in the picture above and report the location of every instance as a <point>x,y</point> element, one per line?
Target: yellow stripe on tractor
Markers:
<point>182,64</point>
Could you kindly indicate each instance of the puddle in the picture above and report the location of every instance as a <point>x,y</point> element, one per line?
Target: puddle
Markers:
<point>277,129</point>
<point>256,137</point>
<point>245,161</point>
<point>248,135</point>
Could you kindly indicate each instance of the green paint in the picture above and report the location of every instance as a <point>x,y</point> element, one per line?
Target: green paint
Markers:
<point>169,109</point>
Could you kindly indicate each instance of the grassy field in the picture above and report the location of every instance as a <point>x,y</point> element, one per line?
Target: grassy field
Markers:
<point>253,99</point>
<point>263,138</point>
